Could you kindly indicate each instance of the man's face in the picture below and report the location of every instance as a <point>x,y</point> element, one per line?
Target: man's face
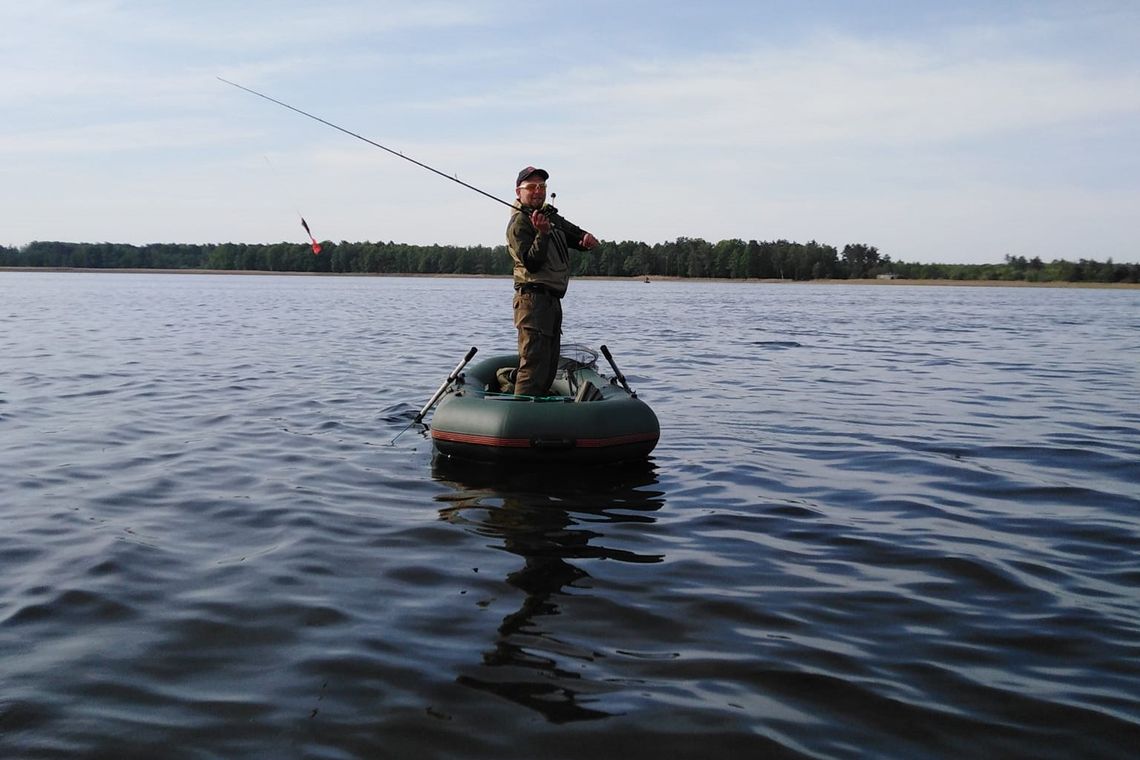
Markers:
<point>532,191</point>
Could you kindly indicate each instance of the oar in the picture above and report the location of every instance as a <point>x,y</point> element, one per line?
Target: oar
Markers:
<point>442,389</point>
<point>617,372</point>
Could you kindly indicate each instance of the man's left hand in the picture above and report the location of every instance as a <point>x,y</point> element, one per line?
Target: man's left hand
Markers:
<point>589,241</point>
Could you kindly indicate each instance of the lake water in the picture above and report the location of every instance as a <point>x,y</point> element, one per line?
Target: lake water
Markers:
<point>881,521</point>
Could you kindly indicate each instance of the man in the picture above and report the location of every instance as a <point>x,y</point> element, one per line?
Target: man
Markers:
<point>539,240</point>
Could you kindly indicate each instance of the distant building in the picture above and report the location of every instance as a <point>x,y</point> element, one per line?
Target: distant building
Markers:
<point>890,276</point>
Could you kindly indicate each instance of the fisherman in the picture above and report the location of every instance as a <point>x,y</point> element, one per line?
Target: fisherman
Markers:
<point>539,240</point>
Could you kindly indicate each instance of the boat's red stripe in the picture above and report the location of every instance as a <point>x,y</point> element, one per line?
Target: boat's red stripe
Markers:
<point>523,443</point>
<point>617,440</point>
<point>480,440</point>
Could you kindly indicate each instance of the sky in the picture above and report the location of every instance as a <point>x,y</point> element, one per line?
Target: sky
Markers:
<point>937,132</point>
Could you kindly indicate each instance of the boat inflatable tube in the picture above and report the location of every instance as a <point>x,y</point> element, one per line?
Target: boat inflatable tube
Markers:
<point>587,419</point>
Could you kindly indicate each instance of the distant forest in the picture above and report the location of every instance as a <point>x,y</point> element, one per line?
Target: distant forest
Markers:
<point>683,257</point>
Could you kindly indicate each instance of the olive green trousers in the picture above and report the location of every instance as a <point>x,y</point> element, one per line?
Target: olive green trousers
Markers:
<point>538,318</point>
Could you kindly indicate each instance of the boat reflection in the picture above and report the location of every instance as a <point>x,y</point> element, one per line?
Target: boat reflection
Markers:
<point>548,519</point>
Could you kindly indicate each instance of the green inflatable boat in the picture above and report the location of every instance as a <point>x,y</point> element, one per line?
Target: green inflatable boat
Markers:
<point>587,419</point>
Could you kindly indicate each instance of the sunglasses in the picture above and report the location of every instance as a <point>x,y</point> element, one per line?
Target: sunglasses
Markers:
<point>530,187</point>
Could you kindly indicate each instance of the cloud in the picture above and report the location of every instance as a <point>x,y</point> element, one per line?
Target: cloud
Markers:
<point>835,138</point>
<point>833,90</point>
<point>137,136</point>
<point>829,133</point>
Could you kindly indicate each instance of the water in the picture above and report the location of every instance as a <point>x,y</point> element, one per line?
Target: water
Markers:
<point>881,521</point>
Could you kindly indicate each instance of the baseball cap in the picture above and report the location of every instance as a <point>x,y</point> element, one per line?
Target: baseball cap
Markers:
<point>530,171</point>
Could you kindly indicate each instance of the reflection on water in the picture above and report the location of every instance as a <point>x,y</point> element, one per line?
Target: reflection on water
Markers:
<point>546,517</point>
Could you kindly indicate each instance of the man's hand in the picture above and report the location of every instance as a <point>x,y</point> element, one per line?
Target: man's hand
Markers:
<point>589,241</point>
<point>540,222</point>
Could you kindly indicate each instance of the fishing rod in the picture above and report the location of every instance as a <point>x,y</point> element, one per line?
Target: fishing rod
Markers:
<point>365,139</point>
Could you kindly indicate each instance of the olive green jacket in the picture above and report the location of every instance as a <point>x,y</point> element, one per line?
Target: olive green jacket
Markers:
<point>542,259</point>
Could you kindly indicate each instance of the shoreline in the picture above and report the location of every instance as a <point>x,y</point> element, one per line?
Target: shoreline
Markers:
<point>647,279</point>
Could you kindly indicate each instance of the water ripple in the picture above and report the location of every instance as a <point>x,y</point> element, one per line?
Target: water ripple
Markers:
<point>880,522</point>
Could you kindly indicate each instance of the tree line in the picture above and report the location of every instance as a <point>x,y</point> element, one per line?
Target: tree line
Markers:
<point>683,257</point>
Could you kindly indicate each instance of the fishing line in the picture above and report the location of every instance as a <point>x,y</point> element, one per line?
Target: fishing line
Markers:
<point>370,142</point>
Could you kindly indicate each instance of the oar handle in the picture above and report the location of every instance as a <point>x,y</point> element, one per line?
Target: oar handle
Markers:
<point>617,372</point>
<point>446,383</point>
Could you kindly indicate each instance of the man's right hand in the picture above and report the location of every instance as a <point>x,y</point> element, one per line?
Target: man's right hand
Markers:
<point>540,222</point>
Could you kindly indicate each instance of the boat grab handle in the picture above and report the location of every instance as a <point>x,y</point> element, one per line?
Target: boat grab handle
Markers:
<point>552,443</point>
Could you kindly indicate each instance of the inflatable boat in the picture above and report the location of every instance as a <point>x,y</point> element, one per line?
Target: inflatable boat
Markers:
<point>588,418</point>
